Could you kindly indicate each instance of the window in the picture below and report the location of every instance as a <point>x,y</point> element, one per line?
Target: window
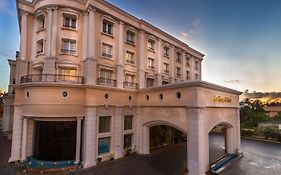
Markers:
<point>67,74</point>
<point>68,46</point>
<point>196,76</point>
<point>130,57</point>
<point>165,82</point>
<point>69,21</point>
<point>197,65</point>
<point>149,82</point>
<point>178,57</point>
<point>129,78</point>
<point>166,51</point>
<point>130,37</point>
<point>106,78</point>
<point>128,140</point>
<point>187,61</point>
<point>107,50</point>
<point>150,63</point>
<point>187,75</point>
<point>104,145</point>
<point>40,22</point>
<point>104,124</point>
<point>150,44</point>
<point>166,68</point>
<point>128,122</point>
<point>178,71</point>
<point>107,27</point>
<point>40,46</point>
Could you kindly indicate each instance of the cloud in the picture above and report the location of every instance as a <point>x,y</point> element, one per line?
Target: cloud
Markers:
<point>5,7</point>
<point>232,81</point>
<point>193,33</point>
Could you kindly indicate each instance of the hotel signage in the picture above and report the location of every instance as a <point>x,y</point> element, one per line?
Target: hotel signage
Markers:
<point>222,99</point>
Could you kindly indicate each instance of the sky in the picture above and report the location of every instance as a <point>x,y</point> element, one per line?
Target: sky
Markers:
<point>241,39</point>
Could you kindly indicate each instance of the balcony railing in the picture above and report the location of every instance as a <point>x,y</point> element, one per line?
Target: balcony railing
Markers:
<point>52,78</point>
<point>130,61</point>
<point>107,82</point>
<point>130,85</point>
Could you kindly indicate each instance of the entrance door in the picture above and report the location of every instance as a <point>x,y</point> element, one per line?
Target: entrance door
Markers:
<point>55,140</point>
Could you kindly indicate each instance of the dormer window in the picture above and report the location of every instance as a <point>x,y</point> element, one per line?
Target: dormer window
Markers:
<point>40,22</point>
<point>130,37</point>
<point>166,51</point>
<point>107,27</point>
<point>178,57</point>
<point>69,21</point>
<point>40,46</point>
<point>151,45</point>
<point>68,46</point>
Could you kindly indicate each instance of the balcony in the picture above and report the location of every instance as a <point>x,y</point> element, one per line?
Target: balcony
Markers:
<point>130,85</point>
<point>55,78</point>
<point>107,82</point>
<point>130,61</point>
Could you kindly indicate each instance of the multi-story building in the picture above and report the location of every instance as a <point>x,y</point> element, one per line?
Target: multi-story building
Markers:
<point>99,78</point>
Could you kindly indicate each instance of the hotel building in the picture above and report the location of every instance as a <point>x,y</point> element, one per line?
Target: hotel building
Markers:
<point>90,81</point>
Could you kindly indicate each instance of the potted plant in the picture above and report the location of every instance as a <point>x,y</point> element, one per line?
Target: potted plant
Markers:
<point>128,151</point>
<point>98,160</point>
<point>112,154</point>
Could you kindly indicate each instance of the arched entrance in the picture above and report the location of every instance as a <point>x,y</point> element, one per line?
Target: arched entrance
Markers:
<point>220,141</point>
<point>163,135</point>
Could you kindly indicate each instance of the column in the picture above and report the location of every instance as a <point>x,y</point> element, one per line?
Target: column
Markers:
<point>118,132</point>
<point>23,32</point>
<point>85,36</point>
<point>90,137</point>
<point>78,140</point>
<point>183,65</point>
<point>17,135</point>
<point>198,143</point>
<point>91,32</point>
<point>145,140</point>
<point>34,42</point>
<point>120,66</point>
<point>24,139</point>
<point>237,131</point>
<point>192,68</point>
<point>141,59</point>
<point>54,31</point>
<point>173,64</point>
<point>21,69</point>
<point>159,61</point>
<point>49,32</point>
<point>138,134</point>
<point>200,70</point>
<point>230,148</point>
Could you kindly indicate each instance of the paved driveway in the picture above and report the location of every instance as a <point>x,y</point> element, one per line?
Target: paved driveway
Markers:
<point>260,158</point>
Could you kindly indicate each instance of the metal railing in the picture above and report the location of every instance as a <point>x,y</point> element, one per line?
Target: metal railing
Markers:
<point>52,78</point>
<point>107,82</point>
<point>130,85</point>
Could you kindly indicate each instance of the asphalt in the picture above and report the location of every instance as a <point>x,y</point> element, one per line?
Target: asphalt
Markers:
<point>260,158</point>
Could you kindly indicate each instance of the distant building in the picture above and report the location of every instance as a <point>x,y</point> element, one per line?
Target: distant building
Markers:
<point>272,111</point>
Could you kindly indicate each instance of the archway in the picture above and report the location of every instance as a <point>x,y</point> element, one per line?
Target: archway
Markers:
<point>164,135</point>
<point>220,141</point>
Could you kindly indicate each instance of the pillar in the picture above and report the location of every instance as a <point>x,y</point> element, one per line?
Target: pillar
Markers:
<point>49,32</point>
<point>17,135</point>
<point>159,63</point>
<point>90,137</point>
<point>138,129</point>
<point>120,66</point>
<point>145,140</point>
<point>118,132</point>
<point>172,63</point>
<point>90,71</point>
<point>237,131</point>
<point>78,140</point>
<point>23,39</point>
<point>198,144</point>
<point>141,59</point>
<point>183,60</point>
<point>85,36</point>
<point>34,42</point>
<point>91,32</point>
<point>230,141</point>
<point>24,139</point>
<point>54,32</point>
